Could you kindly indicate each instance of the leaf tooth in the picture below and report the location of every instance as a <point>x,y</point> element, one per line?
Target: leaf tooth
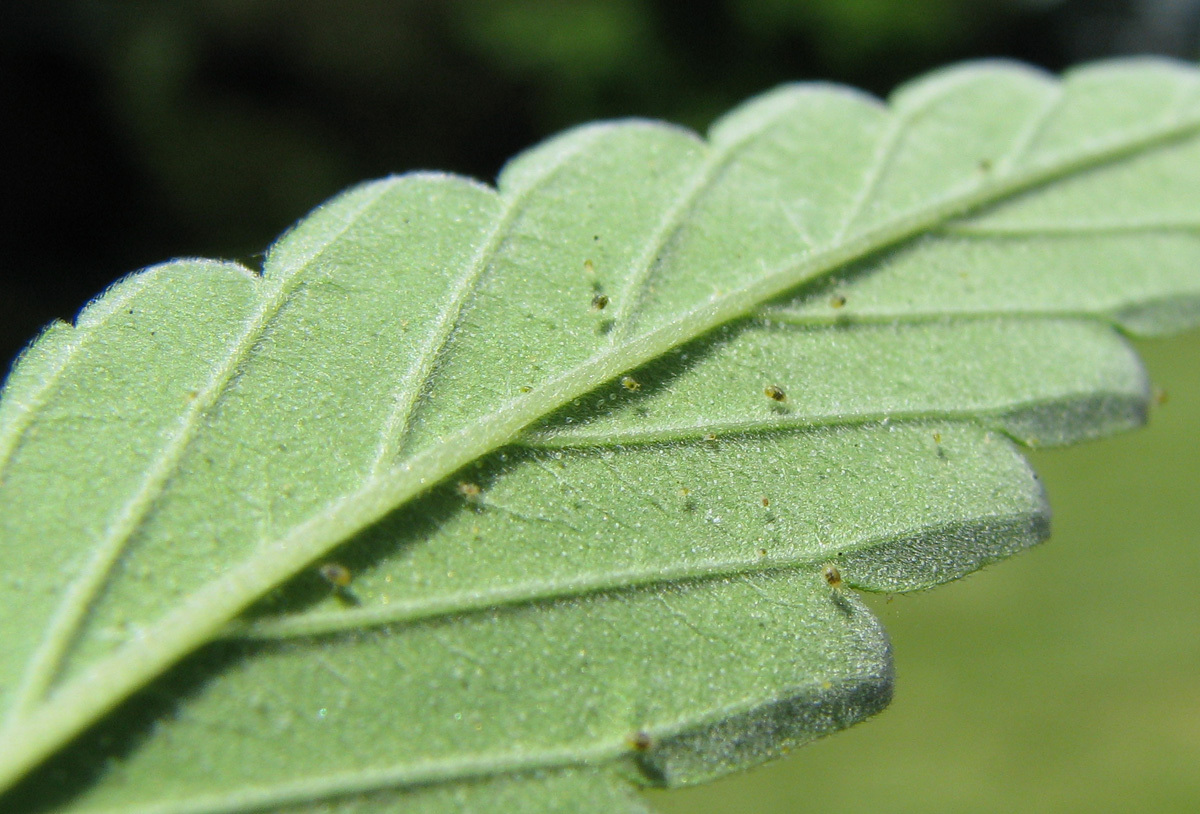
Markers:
<point>63,629</point>
<point>37,370</point>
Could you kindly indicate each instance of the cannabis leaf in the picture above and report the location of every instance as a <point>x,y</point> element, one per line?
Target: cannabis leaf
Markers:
<point>599,450</point>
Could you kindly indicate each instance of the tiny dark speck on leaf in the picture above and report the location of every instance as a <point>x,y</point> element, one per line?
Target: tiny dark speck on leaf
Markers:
<point>640,741</point>
<point>775,393</point>
<point>335,574</point>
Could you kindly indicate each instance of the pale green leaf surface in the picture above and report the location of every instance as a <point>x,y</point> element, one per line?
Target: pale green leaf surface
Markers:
<point>1044,381</point>
<point>774,660</point>
<point>174,464</point>
<point>216,458</point>
<point>70,404</point>
<point>624,510</point>
<point>1090,245</point>
<point>571,791</point>
<point>607,519</point>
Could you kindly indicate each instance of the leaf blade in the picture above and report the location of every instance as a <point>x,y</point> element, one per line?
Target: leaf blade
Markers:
<point>1164,111</point>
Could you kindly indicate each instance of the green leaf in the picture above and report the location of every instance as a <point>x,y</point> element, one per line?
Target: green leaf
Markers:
<point>601,449</point>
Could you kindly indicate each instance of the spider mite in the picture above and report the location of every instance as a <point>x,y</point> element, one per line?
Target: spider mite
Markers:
<point>640,741</point>
<point>832,576</point>
<point>335,574</point>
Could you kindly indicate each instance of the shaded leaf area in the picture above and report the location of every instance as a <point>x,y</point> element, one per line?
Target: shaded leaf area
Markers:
<point>564,792</point>
<point>581,788</point>
<point>586,521</point>
<point>444,700</point>
<point>589,660</point>
<point>571,511</point>
<point>589,791</point>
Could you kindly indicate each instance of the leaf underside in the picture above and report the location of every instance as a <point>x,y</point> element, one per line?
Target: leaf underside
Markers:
<point>587,447</point>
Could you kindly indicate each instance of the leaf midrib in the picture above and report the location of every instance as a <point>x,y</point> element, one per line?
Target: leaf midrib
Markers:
<point>202,614</point>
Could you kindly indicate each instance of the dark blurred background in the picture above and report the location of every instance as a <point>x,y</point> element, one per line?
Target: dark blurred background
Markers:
<point>140,131</point>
